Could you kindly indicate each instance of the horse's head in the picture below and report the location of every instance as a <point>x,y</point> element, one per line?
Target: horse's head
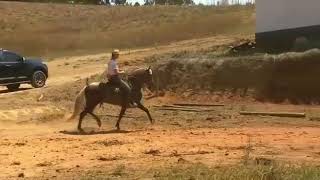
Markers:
<point>143,76</point>
<point>149,79</point>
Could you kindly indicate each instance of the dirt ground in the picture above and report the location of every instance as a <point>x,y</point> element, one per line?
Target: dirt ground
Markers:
<point>38,143</point>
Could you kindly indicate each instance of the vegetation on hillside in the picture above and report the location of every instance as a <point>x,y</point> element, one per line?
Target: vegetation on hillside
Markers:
<point>41,29</point>
<point>117,2</point>
<point>62,1</point>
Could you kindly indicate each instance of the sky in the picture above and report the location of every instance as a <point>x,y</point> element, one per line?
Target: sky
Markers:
<point>205,2</point>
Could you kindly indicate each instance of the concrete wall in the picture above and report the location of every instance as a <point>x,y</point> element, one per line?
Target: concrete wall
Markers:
<point>273,15</point>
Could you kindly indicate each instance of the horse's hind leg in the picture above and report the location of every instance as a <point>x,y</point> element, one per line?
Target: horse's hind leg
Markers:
<point>82,115</point>
<point>123,110</point>
<point>140,106</point>
<point>96,118</point>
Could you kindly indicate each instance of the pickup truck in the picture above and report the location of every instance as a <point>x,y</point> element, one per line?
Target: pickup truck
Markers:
<point>16,70</point>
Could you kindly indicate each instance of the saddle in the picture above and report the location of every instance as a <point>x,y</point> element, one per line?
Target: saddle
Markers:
<point>104,86</point>
<point>108,85</point>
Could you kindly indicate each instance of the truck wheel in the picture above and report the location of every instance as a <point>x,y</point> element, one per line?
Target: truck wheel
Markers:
<point>13,87</point>
<point>38,79</point>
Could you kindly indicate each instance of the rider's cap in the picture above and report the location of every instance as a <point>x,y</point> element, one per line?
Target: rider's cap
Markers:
<point>116,51</point>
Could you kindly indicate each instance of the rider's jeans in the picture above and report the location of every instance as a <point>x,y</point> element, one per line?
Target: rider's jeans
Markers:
<point>124,87</point>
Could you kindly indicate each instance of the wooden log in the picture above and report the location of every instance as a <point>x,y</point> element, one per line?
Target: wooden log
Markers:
<point>173,106</point>
<point>314,118</point>
<point>175,109</point>
<point>125,116</point>
<point>157,85</point>
<point>279,114</point>
<point>185,109</point>
<point>192,104</point>
<point>151,97</point>
<point>182,108</point>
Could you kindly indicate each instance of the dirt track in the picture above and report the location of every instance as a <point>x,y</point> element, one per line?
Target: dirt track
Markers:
<point>37,141</point>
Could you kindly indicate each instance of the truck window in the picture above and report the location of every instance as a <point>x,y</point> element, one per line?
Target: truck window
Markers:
<point>11,57</point>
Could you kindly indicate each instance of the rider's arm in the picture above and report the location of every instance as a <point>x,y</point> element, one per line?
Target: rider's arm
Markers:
<point>117,70</point>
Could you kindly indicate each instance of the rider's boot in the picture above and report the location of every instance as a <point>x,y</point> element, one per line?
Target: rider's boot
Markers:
<point>131,103</point>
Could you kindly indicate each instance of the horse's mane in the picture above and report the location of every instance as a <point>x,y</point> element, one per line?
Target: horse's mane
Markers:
<point>136,72</point>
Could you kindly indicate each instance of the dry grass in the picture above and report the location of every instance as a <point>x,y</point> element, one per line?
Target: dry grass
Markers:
<point>58,29</point>
<point>278,78</point>
<point>203,172</point>
<point>240,172</point>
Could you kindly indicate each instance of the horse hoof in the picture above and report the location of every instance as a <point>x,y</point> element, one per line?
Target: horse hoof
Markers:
<point>118,128</point>
<point>81,131</point>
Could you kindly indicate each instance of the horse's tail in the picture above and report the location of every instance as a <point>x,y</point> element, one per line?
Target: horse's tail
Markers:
<point>80,104</point>
<point>87,81</point>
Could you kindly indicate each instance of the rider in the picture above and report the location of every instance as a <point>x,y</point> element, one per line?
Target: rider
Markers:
<point>113,75</point>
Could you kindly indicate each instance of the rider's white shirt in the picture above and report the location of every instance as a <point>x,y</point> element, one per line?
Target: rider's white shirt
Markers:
<point>112,67</point>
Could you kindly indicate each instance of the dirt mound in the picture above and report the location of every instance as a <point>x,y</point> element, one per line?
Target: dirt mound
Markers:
<point>277,77</point>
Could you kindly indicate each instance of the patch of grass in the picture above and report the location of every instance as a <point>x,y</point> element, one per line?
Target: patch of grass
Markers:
<point>111,142</point>
<point>258,172</point>
<point>203,172</point>
<point>119,171</point>
<point>94,176</point>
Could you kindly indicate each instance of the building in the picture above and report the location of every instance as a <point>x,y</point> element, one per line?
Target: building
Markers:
<point>280,23</point>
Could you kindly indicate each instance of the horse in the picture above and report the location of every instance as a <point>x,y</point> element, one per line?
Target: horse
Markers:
<point>98,93</point>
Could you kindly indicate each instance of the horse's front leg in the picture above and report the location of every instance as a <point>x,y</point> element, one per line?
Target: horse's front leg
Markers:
<point>140,106</point>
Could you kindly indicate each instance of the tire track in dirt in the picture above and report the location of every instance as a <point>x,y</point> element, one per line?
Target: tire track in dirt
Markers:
<point>18,115</point>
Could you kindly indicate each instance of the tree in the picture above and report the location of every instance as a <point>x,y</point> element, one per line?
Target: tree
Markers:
<point>188,2</point>
<point>106,2</point>
<point>174,2</point>
<point>149,2</point>
<point>136,4</point>
<point>160,2</point>
<point>120,2</point>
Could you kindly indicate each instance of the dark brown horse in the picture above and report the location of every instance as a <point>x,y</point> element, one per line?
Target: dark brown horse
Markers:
<point>98,93</point>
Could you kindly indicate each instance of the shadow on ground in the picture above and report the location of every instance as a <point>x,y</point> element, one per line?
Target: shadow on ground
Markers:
<point>92,132</point>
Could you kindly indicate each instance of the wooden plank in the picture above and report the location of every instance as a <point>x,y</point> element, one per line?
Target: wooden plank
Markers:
<point>173,106</point>
<point>185,109</point>
<point>181,108</point>
<point>151,97</point>
<point>175,109</point>
<point>314,118</point>
<point>279,114</point>
<point>116,116</point>
<point>157,85</point>
<point>193,104</point>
